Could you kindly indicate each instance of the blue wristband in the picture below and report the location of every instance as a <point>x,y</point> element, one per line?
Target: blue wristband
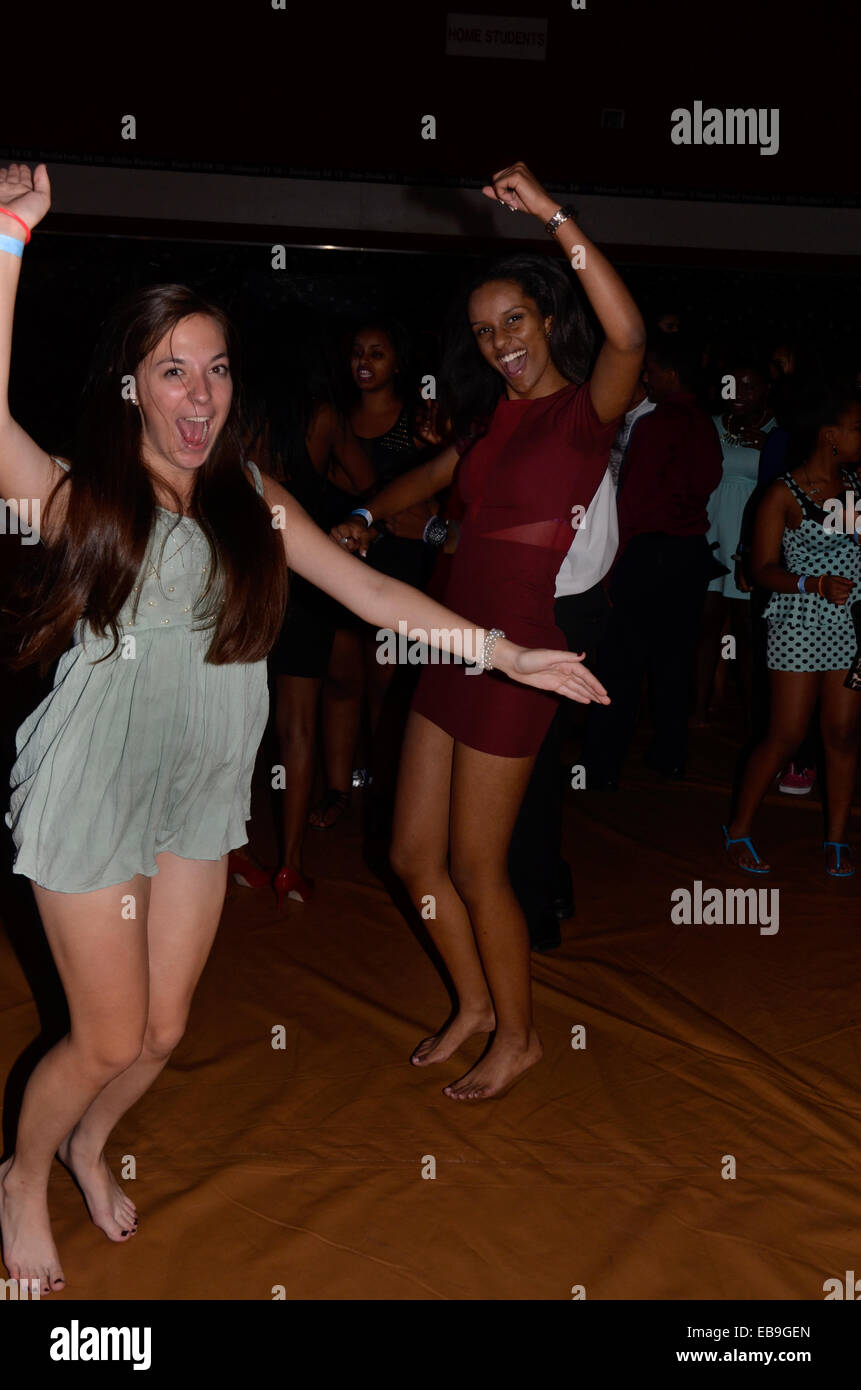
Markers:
<point>364,514</point>
<point>12,245</point>
<point>802,580</point>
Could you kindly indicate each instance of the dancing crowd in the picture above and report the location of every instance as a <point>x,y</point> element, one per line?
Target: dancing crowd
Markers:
<point>574,508</point>
<point>674,587</point>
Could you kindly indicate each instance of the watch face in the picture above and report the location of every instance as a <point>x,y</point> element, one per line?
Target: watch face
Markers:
<point>435,531</point>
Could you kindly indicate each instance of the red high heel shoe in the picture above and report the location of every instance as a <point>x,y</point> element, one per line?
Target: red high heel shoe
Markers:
<point>290,884</point>
<point>245,871</point>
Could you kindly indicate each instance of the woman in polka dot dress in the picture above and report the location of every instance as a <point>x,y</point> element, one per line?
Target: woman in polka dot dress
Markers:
<point>806,551</point>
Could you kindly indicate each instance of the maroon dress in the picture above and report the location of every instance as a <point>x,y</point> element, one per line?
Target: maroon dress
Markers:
<point>520,482</point>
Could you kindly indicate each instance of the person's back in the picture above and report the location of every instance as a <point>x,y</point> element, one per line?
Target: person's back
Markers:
<point>672,467</point>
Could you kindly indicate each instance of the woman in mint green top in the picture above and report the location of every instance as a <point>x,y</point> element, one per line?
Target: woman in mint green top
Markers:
<point>162,589</point>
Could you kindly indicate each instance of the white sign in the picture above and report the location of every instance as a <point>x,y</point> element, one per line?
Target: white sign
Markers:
<point>495,36</point>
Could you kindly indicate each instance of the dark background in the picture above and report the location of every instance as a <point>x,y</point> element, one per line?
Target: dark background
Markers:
<point>339,92</point>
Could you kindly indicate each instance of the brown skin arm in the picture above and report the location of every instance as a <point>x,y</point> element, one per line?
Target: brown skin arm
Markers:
<point>418,485</point>
<point>778,510</point>
<point>329,437</point>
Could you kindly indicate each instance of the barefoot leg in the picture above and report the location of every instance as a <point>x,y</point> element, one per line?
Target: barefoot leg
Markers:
<point>419,856</point>
<point>186,901</point>
<point>101,959</point>
<point>486,796</point>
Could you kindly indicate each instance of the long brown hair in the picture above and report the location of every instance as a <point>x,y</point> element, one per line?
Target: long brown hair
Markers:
<point>90,568</point>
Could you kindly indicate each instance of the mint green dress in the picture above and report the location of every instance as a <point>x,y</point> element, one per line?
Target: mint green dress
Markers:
<point>148,751</point>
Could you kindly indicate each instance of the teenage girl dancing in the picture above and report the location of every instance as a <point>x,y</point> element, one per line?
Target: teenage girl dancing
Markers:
<point>541,437</point>
<point>163,587</point>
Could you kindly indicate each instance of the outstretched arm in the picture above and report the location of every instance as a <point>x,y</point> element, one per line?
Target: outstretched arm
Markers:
<point>620,360</point>
<point>26,471</point>
<point>386,603</point>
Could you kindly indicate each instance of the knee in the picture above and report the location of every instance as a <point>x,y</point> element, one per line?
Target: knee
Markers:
<point>161,1038</point>
<point>411,865</point>
<point>106,1058</point>
<point>840,736</point>
<point>785,740</point>
<point>474,878</point>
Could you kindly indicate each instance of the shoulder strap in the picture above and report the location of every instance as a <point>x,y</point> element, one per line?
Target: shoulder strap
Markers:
<point>65,466</point>
<point>255,473</point>
<point>808,506</point>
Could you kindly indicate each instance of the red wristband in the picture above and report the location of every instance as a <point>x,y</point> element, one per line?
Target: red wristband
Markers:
<point>18,219</point>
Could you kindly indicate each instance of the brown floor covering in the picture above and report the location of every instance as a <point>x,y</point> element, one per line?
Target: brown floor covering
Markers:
<point>302,1167</point>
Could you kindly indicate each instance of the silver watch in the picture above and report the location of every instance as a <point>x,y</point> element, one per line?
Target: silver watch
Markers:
<point>558,218</point>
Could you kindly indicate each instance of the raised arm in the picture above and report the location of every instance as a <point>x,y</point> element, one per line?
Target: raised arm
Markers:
<point>386,603</point>
<point>620,359</point>
<point>26,471</point>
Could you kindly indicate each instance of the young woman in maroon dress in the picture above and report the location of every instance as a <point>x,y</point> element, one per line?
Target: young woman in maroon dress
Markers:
<point>471,740</point>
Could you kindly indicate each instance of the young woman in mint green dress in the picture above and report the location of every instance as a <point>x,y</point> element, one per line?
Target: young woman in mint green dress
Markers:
<point>163,586</point>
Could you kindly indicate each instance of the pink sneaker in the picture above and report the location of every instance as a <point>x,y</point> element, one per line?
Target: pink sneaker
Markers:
<point>797,781</point>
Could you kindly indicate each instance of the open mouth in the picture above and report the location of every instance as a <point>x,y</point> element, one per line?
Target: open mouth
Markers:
<point>513,364</point>
<point>194,430</point>
<point>362,374</point>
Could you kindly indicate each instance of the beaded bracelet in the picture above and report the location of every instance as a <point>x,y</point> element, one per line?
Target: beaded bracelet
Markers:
<point>490,640</point>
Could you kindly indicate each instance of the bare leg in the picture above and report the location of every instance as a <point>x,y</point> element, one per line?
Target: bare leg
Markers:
<point>101,957</point>
<point>419,856</point>
<point>186,901</point>
<point>295,721</point>
<point>342,714</point>
<point>793,696</point>
<point>486,796</point>
<point>841,712</point>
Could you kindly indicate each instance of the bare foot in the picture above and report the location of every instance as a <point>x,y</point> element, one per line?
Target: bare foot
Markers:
<point>440,1046</point>
<point>497,1071</point>
<point>29,1251</point>
<point>741,856</point>
<point>109,1207</point>
<point>847,862</point>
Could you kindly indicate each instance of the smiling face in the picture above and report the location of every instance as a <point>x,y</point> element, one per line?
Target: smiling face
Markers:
<point>372,360</point>
<point>184,390</point>
<point>751,393</point>
<point>512,335</point>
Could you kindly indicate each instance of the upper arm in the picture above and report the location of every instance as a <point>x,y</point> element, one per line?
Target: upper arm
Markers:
<point>331,437</point>
<point>613,379</point>
<point>318,559</point>
<point>27,472</point>
<point>770,524</point>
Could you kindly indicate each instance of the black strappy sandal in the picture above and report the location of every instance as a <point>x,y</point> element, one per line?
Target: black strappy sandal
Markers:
<point>333,800</point>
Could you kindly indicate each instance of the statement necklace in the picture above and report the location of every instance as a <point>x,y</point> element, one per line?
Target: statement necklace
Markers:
<point>729,438</point>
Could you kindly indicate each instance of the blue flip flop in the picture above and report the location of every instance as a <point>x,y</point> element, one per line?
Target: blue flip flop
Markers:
<point>838,845</point>
<point>745,840</point>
